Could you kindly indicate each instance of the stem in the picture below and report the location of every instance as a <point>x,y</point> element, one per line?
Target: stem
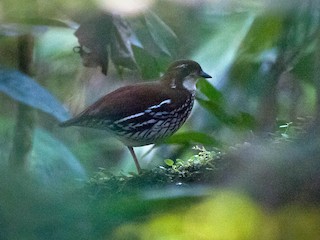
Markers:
<point>23,133</point>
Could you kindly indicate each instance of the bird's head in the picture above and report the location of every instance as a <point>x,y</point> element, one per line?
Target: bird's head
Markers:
<point>184,74</point>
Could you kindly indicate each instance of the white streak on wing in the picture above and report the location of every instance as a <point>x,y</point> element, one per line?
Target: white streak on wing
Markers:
<point>167,101</point>
<point>130,117</point>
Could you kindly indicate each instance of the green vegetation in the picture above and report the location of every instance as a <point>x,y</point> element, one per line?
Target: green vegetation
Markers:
<point>254,173</point>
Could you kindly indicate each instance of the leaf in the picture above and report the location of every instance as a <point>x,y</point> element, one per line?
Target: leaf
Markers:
<point>162,35</point>
<point>52,161</point>
<point>241,120</point>
<point>219,53</point>
<point>94,36</point>
<point>150,66</point>
<point>148,44</point>
<point>263,33</point>
<point>24,89</point>
<point>39,21</point>
<point>121,41</point>
<point>102,33</point>
<point>209,91</point>
<point>169,162</point>
<point>191,137</point>
<point>216,109</point>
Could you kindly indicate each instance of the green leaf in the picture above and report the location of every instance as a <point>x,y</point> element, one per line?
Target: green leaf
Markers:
<point>241,120</point>
<point>121,44</point>
<point>52,162</point>
<point>150,66</point>
<point>39,21</point>
<point>209,91</point>
<point>219,53</point>
<point>24,89</point>
<point>191,137</point>
<point>216,109</point>
<point>169,162</point>
<point>264,31</point>
<point>162,35</point>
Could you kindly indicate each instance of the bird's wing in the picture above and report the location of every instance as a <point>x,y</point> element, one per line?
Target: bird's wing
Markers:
<point>124,102</point>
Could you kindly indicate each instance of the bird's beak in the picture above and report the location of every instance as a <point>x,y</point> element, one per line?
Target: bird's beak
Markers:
<point>204,75</point>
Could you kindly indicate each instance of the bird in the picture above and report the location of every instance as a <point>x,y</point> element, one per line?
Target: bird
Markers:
<point>145,113</point>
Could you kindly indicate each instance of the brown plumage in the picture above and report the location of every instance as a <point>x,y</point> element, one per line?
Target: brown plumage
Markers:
<point>145,113</point>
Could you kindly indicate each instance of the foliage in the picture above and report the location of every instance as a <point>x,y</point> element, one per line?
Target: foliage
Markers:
<point>253,119</point>
<point>199,168</point>
<point>226,214</point>
<point>215,105</point>
<point>109,31</point>
<point>24,89</point>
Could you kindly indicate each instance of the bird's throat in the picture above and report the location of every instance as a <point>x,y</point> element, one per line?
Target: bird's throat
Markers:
<point>189,83</point>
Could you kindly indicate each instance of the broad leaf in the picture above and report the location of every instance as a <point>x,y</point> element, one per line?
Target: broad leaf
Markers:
<point>121,44</point>
<point>241,120</point>
<point>163,36</point>
<point>150,66</point>
<point>209,91</point>
<point>148,44</point>
<point>24,89</point>
<point>216,109</point>
<point>52,162</point>
<point>94,36</point>
<point>219,53</point>
<point>255,48</point>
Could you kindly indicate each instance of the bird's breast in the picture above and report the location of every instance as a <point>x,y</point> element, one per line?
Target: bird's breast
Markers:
<point>155,123</point>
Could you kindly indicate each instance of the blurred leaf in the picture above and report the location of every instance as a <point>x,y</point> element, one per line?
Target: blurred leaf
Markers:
<point>162,35</point>
<point>26,23</point>
<point>191,137</point>
<point>158,44</point>
<point>32,210</point>
<point>24,89</point>
<point>214,108</point>
<point>106,32</point>
<point>225,215</point>
<point>148,45</point>
<point>263,33</point>
<point>94,37</point>
<point>219,53</point>
<point>241,120</point>
<point>102,33</point>
<point>169,162</point>
<point>210,91</point>
<point>150,66</point>
<point>52,162</point>
<point>16,29</point>
<point>121,49</point>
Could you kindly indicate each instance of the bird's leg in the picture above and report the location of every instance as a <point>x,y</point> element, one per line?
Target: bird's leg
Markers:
<point>135,159</point>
